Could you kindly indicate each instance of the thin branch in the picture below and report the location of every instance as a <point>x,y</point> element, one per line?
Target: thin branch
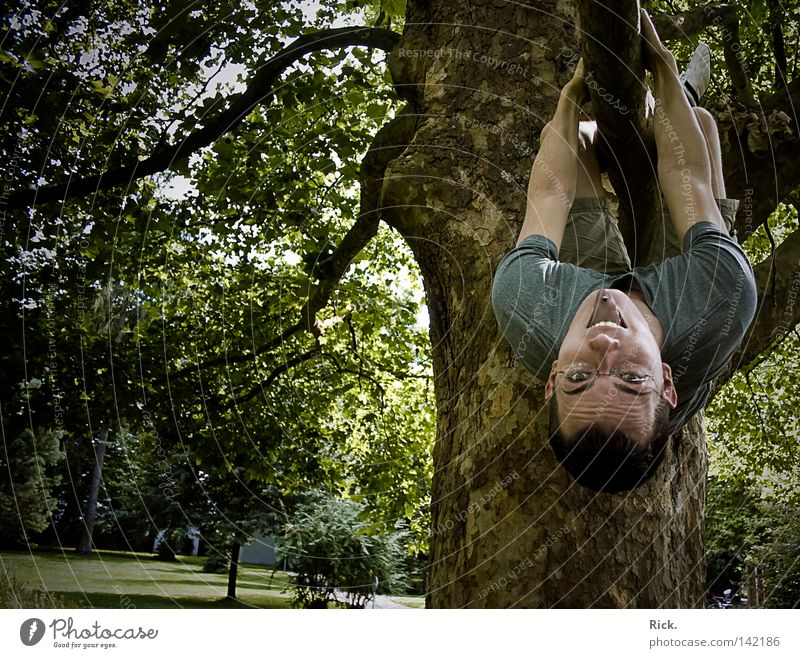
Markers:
<point>277,372</point>
<point>259,90</point>
<point>723,17</point>
<point>687,24</point>
<point>768,231</point>
<point>230,359</point>
<point>728,23</point>
<point>358,373</point>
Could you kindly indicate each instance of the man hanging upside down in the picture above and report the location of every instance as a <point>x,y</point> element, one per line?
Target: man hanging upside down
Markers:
<point>627,353</point>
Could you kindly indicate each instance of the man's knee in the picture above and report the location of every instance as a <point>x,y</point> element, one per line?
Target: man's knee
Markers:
<point>704,117</point>
<point>544,132</point>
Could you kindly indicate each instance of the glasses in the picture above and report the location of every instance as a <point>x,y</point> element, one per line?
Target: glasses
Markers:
<point>579,378</point>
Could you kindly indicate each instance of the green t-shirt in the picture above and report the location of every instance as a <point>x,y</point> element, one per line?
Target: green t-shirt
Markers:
<point>705,300</point>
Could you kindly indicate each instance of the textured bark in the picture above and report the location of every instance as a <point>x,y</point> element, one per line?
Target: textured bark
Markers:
<point>509,528</point>
<point>759,154</point>
<point>85,544</point>
<point>611,47</point>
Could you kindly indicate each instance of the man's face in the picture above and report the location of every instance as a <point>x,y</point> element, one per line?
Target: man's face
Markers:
<point>609,335</point>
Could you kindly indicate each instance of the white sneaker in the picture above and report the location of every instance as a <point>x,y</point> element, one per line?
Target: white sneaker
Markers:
<point>697,75</point>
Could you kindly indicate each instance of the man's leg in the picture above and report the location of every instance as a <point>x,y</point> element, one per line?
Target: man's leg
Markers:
<point>684,163</point>
<point>727,207</point>
<point>665,243</point>
<point>592,238</point>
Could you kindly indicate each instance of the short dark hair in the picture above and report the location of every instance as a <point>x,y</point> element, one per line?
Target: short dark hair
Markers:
<point>610,461</point>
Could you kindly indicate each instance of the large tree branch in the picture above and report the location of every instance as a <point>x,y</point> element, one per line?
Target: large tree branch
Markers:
<point>259,90</point>
<point>778,47</point>
<point>390,141</point>
<point>286,366</point>
<point>687,24</point>
<point>759,154</point>
<point>611,48</point>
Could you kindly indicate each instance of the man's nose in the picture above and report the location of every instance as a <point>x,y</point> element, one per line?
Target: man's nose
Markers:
<point>603,343</point>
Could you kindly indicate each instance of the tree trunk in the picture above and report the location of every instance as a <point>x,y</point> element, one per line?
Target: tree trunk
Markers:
<point>85,544</point>
<point>233,571</point>
<point>509,528</point>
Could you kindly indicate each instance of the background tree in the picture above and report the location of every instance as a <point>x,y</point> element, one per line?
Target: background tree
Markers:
<point>28,478</point>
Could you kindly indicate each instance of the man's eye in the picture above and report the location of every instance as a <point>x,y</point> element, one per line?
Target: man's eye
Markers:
<point>633,378</point>
<point>578,376</point>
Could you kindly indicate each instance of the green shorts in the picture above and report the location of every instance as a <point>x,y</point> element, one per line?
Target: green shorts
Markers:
<point>592,238</point>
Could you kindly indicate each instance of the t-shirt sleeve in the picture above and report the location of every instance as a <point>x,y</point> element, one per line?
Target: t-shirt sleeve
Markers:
<point>705,300</point>
<point>535,298</point>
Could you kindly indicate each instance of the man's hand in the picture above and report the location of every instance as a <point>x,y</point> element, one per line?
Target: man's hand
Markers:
<point>657,57</point>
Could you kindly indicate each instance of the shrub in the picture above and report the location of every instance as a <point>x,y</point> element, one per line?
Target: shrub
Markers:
<point>336,555</point>
<point>217,562</point>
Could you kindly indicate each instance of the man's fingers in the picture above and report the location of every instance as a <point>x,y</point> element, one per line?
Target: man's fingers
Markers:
<point>654,52</point>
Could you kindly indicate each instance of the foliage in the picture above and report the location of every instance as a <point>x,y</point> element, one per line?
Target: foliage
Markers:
<point>216,562</point>
<point>727,513</point>
<point>755,32</point>
<point>28,477</point>
<point>752,541</point>
<point>336,555</point>
<point>773,559</point>
<point>152,307</point>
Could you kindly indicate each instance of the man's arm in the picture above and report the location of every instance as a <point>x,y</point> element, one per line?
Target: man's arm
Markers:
<point>551,189</point>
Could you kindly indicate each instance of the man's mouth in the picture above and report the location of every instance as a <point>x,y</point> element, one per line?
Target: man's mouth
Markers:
<point>608,323</point>
<point>606,313</point>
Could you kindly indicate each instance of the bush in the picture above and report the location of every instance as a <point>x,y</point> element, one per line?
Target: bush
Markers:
<point>336,555</point>
<point>217,562</point>
<point>27,481</point>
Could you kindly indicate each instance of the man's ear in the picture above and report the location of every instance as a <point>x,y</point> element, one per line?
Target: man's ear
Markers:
<point>670,394</point>
<point>550,386</point>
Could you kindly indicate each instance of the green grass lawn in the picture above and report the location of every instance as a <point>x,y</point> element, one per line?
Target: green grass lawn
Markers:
<point>110,579</point>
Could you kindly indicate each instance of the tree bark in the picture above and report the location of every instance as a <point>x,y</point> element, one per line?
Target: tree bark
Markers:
<point>509,528</point>
<point>233,570</point>
<point>611,48</point>
<point>85,544</point>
